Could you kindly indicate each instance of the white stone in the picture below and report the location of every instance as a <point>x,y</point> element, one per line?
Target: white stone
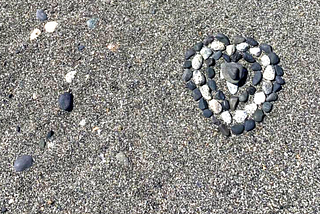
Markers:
<point>269,73</point>
<point>265,60</point>
<point>217,45</point>
<point>82,122</point>
<point>198,78</point>
<point>240,116</point>
<point>242,46</point>
<point>259,98</point>
<point>205,52</point>
<point>69,76</point>
<point>50,26</point>
<point>197,62</point>
<point>34,34</point>
<point>267,87</point>
<point>205,91</point>
<point>215,106</point>
<point>221,75</point>
<point>226,117</point>
<point>230,49</point>
<point>122,159</point>
<point>250,108</point>
<point>233,89</point>
<point>256,51</point>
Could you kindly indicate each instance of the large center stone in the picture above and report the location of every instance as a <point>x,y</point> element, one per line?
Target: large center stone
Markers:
<point>233,72</point>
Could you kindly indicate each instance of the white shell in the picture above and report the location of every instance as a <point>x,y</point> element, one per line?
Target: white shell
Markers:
<point>34,34</point>
<point>69,76</point>
<point>50,26</point>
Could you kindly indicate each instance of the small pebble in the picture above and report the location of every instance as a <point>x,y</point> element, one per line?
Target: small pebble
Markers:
<point>215,121</point>
<point>210,62</point>
<point>265,60</point>
<point>198,46</point>
<point>207,113</point>
<point>251,90</point>
<point>230,49</point>
<point>191,85</point>
<point>91,23</point>
<point>81,47</point>
<point>276,87</point>
<point>225,105</point>
<point>42,144</point>
<point>122,159</point>
<point>70,76</point>
<point>242,46</point>
<point>189,53</point>
<point>208,40</point>
<point>196,94</point>
<point>266,48</point>
<point>205,91</point>
<point>256,51</point>
<point>217,46</point>
<point>215,106</point>
<point>224,130</point>
<point>233,89</point>
<point>238,39</point>
<point>269,73</point>
<point>240,116</point>
<point>256,66</point>
<point>187,64</point>
<point>50,134</point>
<point>259,98</point>
<point>210,73</point>
<point>18,129</point>
<point>50,26</point>
<point>267,87</point>
<point>244,96</point>
<point>274,59</point>
<point>212,85</point>
<point>66,101</point>
<point>250,108</point>
<point>237,129</point>
<point>236,57</point>
<point>272,97</point>
<point>279,70</point>
<point>280,80</point>
<point>267,107</point>
<point>256,78</point>
<point>226,58</point>
<point>206,52</point>
<point>34,34</point>
<point>217,55</point>
<point>41,15</point>
<point>233,102</point>
<point>187,75</point>
<point>252,41</point>
<point>248,57</point>
<point>226,117</point>
<point>4,209</point>
<point>203,104</point>
<point>23,162</point>
<point>258,115</point>
<point>223,38</point>
<point>249,125</point>
<point>197,62</point>
<point>198,78</point>
<point>220,95</point>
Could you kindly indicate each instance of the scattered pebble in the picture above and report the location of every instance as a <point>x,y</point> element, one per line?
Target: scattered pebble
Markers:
<point>191,85</point>
<point>196,94</point>
<point>205,91</point>
<point>81,47</point>
<point>258,115</point>
<point>251,90</point>
<point>230,49</point>
<point>208,40</point>
<point>274,59</point>
<point>226,117</point>
<point>92,23</point>
<point>256,66</point>
<point>207,113</point>
<point>257,77</point>
<point>233,102</point>
<point>41,15</point>
<point>244,96</point>
<point>66,101</point>
<point>238,39</point>
<point>189,53</point>
<point>187,75</point>
<point>50,134</point>
<point>4,209</point>
<point>276,87</point>
<point>203,104</point>
<point>223,38</point>
<point>122,159</point>
<point>266,48</point>
<point>82,122</point>
<point>212,85</point>
<point>206,52</point>
<point>256,51</point>
<point>113,47</point>
<point>34,34</point>
<point>279,80</point>
<point>50,26</point>
<point>23,162</point>
<point>70,76</point>
<point>252,41</point>
<point>18,129</point>
<point>267,87</point>
<point>210,73</point>
<point>225,105</point>
<point>217,55</point>
<point>240,116</point>
<point>215,121</point>
<point>272,97</point>
<point>198,46</point>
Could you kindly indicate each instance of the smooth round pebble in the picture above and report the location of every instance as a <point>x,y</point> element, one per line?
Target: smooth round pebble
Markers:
<point>233,89</point>
<point>250,108</point>
<point>66,101</point>
<point>205,91</point>
<point>210,62</point>
<point>50,26</point>
<point>256,66</point>
<point>256,78</point>
<point>272,97</point>
<point>256,51</point>
<point>237,129</point>
<point>212,85</point>
<point>208,40</point>
<point>280,80</point>
<point>187,75</point>
<point>251,90</point>
<point>196,94</point>
<point>230,49</point>
<point>41,15</point>
<point>249,125</point>
<point>215,121</point>
<point>22,163</point>
<point>91,23</point>
<point>205,52</point>
<point>259,98</point>
<point>258,115</point>
<point>189,53</point>
<point>276,87</point>
<point>240,116</point>
<point>217,46</point>
<point>267,87</point>
<point>197,62</point>
<point>266,48</point>
<point>225,105</point>
<point>269,73</point>
<point>267,107</point>
<point>215,106</point>
<point>203,104</point>
<point>191,85</point>
<point>210,73</point>
<point>242,46</point>
<point>244,96</point>
<point>187,64</point>
<point>226,58</point>
<point>265,60</point>
<point>236,57</point>
<point>226,117</point>
<point>220,95</point>
<point>252,41</point>
<point>238,39</point>
<point>198,78</point>
<point>274,59</point>
<point>233,102</point>
<point>217,55</point>
<point>198,46</point>
<point>279,70</point>
<point>223,38</point>
<point>248,57</point>
<point>207,113</point>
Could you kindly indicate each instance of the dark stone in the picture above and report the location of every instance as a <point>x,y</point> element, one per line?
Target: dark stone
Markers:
<point>225,105</point>
<point>189,53</point>
<point>18,129</point>
<point>220,95</point>
<point>232,70</point>
<point>217,55</point>
<point>234,73</point>
<point>223,38</point>
<point>10,96</point>
<point>198,46</point>
<point>3,210</point>
<point>212,85</point>
<point>210,73</point>
<point>81,47</point>
<point>66,101</point>
<point>226,58</point>
<point>280,80</point>
<point>23,162</point>
<point>249,125</point>
<point>208,40</point>
<point>266,107</point>
<point>266,48</point>
<point>196,94</point>
<point>238,39</point>
<point>237,129</point>
<point>244,97</point>
<point>235,57</point>
<point>248,57</point>
<point>191,85</point>
<point>224,130</point>
<point>279,70</point>
<point>251,90</point>
<point>258,115</point>
<point>256,66</point>
<point>187,64</point>
<point>272,97</point>
<point>50,134</point>
<point>233,102</point>
<point>41,15</point>
<point>215,121</point>
<point>207,113</point>
<point>274,59</point>
<point>276,87</point>
<point>256,78</point>
<point>252,41</point>
<point>187,75</point>
<point>203,104</point>
<point>42,144</point>
<point>210,62</point>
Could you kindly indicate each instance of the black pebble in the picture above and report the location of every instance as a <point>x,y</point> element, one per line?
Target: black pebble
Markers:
<point>274,59</point>
<point>208,40</point>
<point>256,66</point>
<point>191,85</point>
<point>41,15</point>
<point>238,39</point>
<point>258,115</point>
<point>223,38</point>
<point>187,75</point>
<point>226,58</point>
<point>196,94</point>
<point>224,130</point>
<point>207,113</point>
<point>251,90</point>
<point>257,78</point>
<point>266,107</point>
<point>276,87</point>
<point>18,129</point>
<point>212,85</point>
<point>10,96</point>
<point>237,129</point>
<point>198,46</point>
<point>187,64</point>
<point>50,134</point>
<point>210,62</point>
<point>266,48</point>
<point>81,47</point>
<point>249,125</point>
<point>248,57</point>
<point>189,53</point>
<point>233,102</point>
<point>203,104</point>
<point>235,57</point>
<point>244,97</point>
<point>210,73</point>
<point>23,162</point>
<point>252,41</point>
<point>225,105</point>
<point>272,97</point>
<point>217,55</point>
<point>66,101</point>
<point>279,70</point>
<point>220,95</point>
<point>280,80</point>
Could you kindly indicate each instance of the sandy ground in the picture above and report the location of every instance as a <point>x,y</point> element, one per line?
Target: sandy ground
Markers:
<point>134,94</point>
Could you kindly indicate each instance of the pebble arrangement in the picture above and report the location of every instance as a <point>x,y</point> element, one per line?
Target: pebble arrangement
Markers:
<point>248,71</point>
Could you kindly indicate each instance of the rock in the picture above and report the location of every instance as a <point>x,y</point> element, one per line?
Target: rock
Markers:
<point>34,34</point>
<point>191,85</point>
<point>236,57</point>
<point>208,40</point>
<point>233,102</point>
<point>266,48</point>
<point>265,60</point>
<point>256,66</point>
<point>267,107</point>
<point>230,49</point>
<point>217,55</point>
<point>251,90</point>
<point>232,72</point>
<point>256,51</point>
<point>187,75</point>
<point>237,129</point>
<point>246,56</point>
<point>189,53</point>
<point>198,46</point>
<point>203,104</point>
<point>238,39</point>
<point>198,78</point>
<point>3,210</point>
<point>81,47</point>
<point>212,85</point>
<point>256,78</point>
<point>244,97</point>
<point>258,115</point>
<point>274,59</point>
<point>205,91</point>
<point>269,73</point>
<point>240,116</point>
<point>226,117</point>
<point>220,95</point>
<point>251,108</point>
<point>259,98</point>
<point>223,38</point>
<point>122,159</point>
<point>225,105</point>
<point>23,162</point>
<point>279,80</point>
<point>252,41</point>
<point>66,101</point>
<point>91,23</point>
<point>215,121</point>
<point>50,26</point>
<point>70,76</point>
<point>210,73</point>
<point>217,46</point>
<point>249,125</point>
<point>42,144</point>
<point>224,130</point>
<point>41,15</point>
<point>215,106</point>
<point>210,62</point>
<point>196,94</point>
<point>233,89</point>
<point>187,64</point>
<point>242,46</point>
<point>206,52</point>
<point>279,70</point>
<point>226,58</point>
<point>18,129</point>
<point>267,87</point>
<point>276,87</point>
<point>207,113</point>
<point>197,62</point>
<point>272,97</point>
<point>50,134</point>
